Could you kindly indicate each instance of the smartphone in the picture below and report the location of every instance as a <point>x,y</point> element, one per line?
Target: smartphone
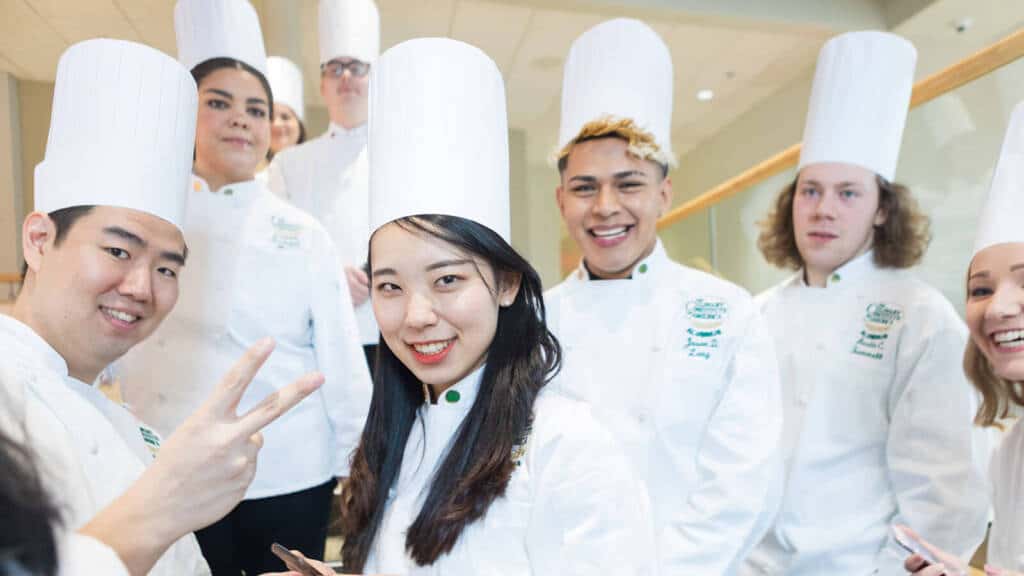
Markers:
<point>912,546</point>
<point>293,562</point>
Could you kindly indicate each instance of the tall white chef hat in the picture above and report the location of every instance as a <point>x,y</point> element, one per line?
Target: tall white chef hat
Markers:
<point>859,101</point>
<point>593,87</point>
<point>208,29</point>
<point>286,83</point>
<point>121,131</point>
<point>1002,218</point>
<point>438,135</point>
<point>349,29</point>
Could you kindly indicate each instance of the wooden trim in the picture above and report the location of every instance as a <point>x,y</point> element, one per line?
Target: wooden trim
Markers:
<point>10,278</point>
<point>975,66</point>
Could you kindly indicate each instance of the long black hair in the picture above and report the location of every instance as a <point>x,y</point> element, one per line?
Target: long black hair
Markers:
<point>521,359</point>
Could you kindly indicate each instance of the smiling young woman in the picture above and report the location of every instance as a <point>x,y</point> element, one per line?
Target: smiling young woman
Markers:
<point>994,358</point>
<point>468,464</point>
<point>261,267</point>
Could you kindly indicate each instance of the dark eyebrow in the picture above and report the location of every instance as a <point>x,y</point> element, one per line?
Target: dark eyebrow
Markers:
<point>256,101</point>
<point>587,179</point>
<point>125,235</point>
<point>629,174</point>
<point>220,92</point>
<point>446,263</point>
<point>1017,267</point>
<point>176,257</point>
<point>982,274</point>
<point>838,184</point>
<point>384,272</point>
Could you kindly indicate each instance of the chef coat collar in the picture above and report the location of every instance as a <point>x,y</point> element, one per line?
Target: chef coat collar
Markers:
<point>643,271</point>
<point>459,398</point>
<point>848,274</point>
<point>14,330</point>
<point>239,193</point>
<point>338,131</point>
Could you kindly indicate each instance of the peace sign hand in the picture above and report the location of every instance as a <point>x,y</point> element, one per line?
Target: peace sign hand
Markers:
<point>205,467</point>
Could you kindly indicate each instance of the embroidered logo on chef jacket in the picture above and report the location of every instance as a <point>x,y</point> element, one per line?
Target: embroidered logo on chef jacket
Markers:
<point>706,316</point>
<point>286,234</point>
<point>879,319</point>
<point>150,438</point>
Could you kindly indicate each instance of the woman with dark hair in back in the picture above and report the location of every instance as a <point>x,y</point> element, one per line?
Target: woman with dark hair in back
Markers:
<point>258,267</point>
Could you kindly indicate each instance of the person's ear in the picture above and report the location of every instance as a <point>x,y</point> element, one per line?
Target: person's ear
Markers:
<point>37,236</point>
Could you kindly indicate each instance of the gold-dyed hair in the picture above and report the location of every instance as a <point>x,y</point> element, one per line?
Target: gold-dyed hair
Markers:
<point>900,242</point>
<point>639,143</point>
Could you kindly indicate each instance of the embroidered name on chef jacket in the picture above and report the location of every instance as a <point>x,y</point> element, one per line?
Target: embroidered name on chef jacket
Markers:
<point>706,316</point>
<point>879,320</point>
<point>286,234</point>
<point>151,439</point>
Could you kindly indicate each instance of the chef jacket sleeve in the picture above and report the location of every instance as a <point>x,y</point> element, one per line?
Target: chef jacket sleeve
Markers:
<point>276,179</point>
<point>82,555</point>
<point>738,464</point>
<point>589,515</point>
<point>934,454</point>
<point>339,354</point>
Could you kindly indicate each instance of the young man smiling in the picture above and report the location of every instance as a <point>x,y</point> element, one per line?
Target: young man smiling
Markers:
<point>104,250</point>
<point>328,176</point>
<point>674,361</point>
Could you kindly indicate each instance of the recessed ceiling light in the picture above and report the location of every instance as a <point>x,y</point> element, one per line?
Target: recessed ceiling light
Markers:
<point>705,95</point>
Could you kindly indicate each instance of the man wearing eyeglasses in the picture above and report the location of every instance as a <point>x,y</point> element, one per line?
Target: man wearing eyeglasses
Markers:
<point>327,176</point>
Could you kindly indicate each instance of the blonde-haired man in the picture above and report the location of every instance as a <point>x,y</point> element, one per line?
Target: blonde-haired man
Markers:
<point>675,361</point>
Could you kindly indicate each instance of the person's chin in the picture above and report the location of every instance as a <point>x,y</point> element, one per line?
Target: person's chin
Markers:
<point>1008,366</point>
<point>611,264</point>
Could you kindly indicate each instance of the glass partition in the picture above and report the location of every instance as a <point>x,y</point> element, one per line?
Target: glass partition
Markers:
<point>950,148</point>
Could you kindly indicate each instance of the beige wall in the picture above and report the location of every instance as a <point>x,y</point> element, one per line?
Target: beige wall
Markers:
<point>35,100</point>
<point>11,209</point>
<point>24,126</point>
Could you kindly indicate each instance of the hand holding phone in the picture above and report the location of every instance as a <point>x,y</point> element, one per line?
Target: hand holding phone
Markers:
<point>912,545</point>
<point>293,562</point>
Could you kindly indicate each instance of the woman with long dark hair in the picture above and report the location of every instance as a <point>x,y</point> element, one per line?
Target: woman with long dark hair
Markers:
<point>258,267</point>
<point>466,464</point>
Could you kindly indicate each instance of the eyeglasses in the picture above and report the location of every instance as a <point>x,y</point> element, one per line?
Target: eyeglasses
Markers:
<point>336,68</point>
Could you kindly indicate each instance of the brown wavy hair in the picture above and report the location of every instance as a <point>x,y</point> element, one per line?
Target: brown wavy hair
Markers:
<point>899,242</point>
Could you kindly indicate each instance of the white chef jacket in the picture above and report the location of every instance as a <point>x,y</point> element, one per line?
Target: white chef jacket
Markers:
<point>89,450</point>
<point>1006,541</point>
<point>677,364</point>
<point>258,267</point>
<point>572,505</point>
<point>329,177</point>
<point>878,424</point>
<point>81,555</point>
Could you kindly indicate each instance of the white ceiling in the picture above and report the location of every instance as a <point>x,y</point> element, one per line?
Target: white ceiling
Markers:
<point>742,57</point>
